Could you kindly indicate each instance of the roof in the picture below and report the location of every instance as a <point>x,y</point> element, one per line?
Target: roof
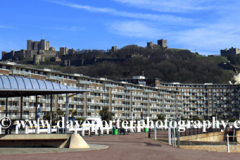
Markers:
<point>15,86</point>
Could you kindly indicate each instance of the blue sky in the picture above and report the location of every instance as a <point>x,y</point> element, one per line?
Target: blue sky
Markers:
<point>205,26</point>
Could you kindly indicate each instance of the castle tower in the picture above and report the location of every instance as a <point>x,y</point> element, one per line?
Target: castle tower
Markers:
<point>42,44</point>
<point>35,45</point>
<point>114,48</point>
<point>162,43</point>
<point>3,53</point>
<point>150,45</point>
<point>29,45</point>
<point>47,45</point>
<point>63,50</point>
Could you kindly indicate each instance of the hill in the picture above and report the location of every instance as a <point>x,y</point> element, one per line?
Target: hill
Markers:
<point>170,65</point>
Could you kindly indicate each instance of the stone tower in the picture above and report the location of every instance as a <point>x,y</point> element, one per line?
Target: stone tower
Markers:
<point>114,48</point>
<point>150,45</point>
<point>162,43</point>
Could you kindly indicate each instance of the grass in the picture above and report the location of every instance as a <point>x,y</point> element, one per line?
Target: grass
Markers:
<point>216,59</point>
<point>175,50</point>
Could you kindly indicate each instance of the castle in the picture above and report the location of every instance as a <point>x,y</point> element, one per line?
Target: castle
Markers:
<point>161,44</point>
<point>38,51</point>
<point>231,51</point>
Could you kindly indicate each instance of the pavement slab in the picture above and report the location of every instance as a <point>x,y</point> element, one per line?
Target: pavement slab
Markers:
<point>135,146</point>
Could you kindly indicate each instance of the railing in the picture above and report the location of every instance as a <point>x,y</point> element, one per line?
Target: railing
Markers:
<point>13,108</point>
<point>18,72</point>
<point>55,78</point>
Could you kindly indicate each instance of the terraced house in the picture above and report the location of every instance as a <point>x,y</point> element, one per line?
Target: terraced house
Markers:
<point>134,98</point>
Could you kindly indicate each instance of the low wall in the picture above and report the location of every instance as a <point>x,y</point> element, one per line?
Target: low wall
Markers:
<point>208,137</point>
<point>238,136</point>
<point>34,140</point>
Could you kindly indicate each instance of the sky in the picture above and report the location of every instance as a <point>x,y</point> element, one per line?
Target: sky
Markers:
<point>204,26</point>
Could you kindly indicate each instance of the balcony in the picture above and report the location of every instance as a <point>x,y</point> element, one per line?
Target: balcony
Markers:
<point>14,117</point>
<point>90,96</point>
<point>25,116</point>
<point>74,102</point>
<point>110,86</point>
<point>130,88</point>
<point>45,101</point>
<point>21,73</point>
<point>28,108</point>
<point>14,99</point>
<point>54,78</point>
<point>97,91</point>
<point>13,108</point>
<point>53,109</point>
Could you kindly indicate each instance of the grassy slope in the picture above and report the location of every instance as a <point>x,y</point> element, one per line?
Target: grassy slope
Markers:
<point>216,60</point>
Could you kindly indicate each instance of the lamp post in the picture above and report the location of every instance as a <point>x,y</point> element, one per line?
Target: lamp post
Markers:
<point>38,113</point>
<point>38,109</point>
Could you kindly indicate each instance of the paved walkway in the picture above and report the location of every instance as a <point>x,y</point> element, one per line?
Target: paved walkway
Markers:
<point>4,151</point>
<point>128,147</point>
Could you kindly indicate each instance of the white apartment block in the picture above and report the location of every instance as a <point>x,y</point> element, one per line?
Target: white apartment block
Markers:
<point>126,100</point>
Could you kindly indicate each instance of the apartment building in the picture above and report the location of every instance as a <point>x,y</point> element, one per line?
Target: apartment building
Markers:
<point>126,100</point>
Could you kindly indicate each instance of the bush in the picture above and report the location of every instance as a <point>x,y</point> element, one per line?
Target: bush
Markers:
<point>52,59</point>
<point>80,120</point>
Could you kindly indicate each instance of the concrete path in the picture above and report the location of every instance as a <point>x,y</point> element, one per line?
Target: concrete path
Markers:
<point>134,146</point>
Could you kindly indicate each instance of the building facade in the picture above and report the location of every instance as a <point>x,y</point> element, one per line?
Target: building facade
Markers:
<point>126,100</point>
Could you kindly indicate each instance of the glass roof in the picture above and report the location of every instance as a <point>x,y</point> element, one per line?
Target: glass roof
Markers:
<point>13,82</point>
<point>30,86</point>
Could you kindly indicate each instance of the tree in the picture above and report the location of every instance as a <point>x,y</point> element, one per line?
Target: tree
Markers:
<point>105,114</point>
<point>195,118</point>
<point>72,113</point>
<point>232,119</point>
<point>47,117</point>
<point>52,59</point>
<point>183,118</point>
<point>161,117</point>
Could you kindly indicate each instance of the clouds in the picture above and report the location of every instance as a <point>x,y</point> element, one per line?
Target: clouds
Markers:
<point>133,29</point>
<point>170,5</point>
<point>207,39</point>
<point>144,16</point>
<point>205,25</point>
<point>178,6</point>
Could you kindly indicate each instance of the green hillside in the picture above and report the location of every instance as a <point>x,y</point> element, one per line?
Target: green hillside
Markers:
<point>170,65</point>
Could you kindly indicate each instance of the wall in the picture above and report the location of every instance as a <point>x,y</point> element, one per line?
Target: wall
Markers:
<point>209,137</point>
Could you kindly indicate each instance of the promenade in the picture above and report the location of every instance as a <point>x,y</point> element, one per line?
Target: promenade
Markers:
<point>135,146</point>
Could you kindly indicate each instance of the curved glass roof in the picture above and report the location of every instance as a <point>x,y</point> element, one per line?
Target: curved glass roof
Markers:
<point>16,86</point>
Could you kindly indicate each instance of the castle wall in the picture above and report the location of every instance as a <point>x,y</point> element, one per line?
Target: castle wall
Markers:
<point>49,53</point>
<point>30,53</point>
<point>6,56</point>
